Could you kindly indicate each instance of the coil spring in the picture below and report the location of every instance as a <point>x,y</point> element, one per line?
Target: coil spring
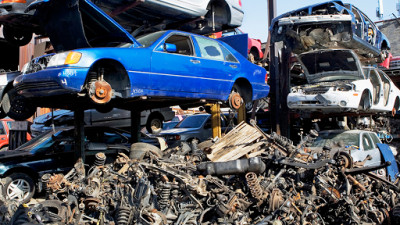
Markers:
<point>284,141</point>
<point>254,185</point>
<point>165,195</point>
<point>124,215</point>
<point>100,159</point>
<point>45,180</point>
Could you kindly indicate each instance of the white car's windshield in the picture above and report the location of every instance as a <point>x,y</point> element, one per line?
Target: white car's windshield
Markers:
<point>325,66</point>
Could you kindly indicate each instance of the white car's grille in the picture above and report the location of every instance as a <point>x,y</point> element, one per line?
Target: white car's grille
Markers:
<point>315,91</point>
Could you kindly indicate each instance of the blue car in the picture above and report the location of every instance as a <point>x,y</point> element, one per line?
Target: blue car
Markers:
<point>330,24</point>
<point>159,69</point>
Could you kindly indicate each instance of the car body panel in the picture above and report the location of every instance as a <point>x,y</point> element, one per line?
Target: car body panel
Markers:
<point>339,94</point>
<point>387,154</point>
<point>153,73</point>
<point>329,25</point>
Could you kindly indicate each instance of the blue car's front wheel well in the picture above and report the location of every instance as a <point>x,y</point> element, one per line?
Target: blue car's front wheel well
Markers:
<point>113,72</point>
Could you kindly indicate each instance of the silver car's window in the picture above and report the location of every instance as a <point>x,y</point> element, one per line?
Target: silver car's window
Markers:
<point>375,139</point>
<point>367,142</point>
<point>210,49</point>
<point>332,139</point>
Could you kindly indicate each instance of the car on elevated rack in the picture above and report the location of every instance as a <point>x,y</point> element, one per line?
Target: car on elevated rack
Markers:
<point>337,82</point>
<point>151,119</point>
<point>330,24</point>
<point>53,152</point>
<point>159,69</point>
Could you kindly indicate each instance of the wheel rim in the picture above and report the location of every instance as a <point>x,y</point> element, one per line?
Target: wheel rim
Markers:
<point>18,190</point>
<point>235,100</point>
<point>155,125</point>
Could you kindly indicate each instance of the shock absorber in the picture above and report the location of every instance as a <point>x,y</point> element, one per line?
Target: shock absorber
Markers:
<point>124,215</point>
<point>165,195</point>
<point>254,186</point>
<point>100,159</point>
<point>45,180</point>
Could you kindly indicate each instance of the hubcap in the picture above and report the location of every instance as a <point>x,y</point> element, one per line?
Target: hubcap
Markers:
<point>18,190</point>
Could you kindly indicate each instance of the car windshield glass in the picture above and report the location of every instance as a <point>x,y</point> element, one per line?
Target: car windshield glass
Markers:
<point>325,66</point>
<point>192,121</point>
<point>332,139</point>
<point>39,142</point>
<point>149,39</point>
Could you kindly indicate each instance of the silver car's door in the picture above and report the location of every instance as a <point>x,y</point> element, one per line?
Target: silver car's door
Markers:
<point>370,148</point>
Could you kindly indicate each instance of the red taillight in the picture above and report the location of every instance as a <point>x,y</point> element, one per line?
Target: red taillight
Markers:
<point>13,1</point>
<point>240,2</point>
<point>266,77</point>
<point>177,137</point>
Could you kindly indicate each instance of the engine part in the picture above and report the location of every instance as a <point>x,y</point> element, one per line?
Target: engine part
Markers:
<point>233,167</point>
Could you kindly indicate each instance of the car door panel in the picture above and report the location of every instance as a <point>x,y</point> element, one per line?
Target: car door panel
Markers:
<point>174,71</point>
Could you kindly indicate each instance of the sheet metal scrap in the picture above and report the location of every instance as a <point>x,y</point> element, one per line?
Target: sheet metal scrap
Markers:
<point>283,185</point>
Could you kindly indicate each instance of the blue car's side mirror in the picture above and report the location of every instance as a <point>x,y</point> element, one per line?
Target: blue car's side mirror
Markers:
<point>166,47</point>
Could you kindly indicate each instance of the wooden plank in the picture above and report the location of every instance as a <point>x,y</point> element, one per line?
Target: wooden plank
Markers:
<point>235,144</point>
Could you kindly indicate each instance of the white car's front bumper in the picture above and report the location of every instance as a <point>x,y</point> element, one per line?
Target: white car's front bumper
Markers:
<point>329,101</point>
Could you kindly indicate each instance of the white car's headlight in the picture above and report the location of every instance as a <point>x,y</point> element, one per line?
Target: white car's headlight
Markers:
<point>65,58</point>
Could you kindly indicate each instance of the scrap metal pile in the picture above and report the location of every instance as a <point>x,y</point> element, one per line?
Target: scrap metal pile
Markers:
<point>278,184</point>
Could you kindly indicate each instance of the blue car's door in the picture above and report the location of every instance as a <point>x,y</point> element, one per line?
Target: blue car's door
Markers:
<point>174,69</point>
<point>218,66</point>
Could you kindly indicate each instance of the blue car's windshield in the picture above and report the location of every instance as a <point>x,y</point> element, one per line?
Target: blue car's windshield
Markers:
<point>149,39</point>
<point>192,121</point>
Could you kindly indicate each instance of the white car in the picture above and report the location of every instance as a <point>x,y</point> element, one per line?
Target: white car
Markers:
<point>200,16</point>
<point>337,82</point>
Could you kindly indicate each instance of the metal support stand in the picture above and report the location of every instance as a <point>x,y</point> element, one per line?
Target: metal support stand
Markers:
<point>135,126</point>
<point>241,113</point>
<point>79,134</point>
<point>216,120</point>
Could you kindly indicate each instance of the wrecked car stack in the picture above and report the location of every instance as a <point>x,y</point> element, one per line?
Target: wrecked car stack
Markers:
<point>282,184</point>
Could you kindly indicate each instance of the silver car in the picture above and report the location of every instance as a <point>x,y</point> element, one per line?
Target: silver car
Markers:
<point>359,143</point>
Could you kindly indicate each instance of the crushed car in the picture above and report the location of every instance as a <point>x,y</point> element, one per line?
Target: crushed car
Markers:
<point>170,67</point>
<point>337,82</point>
<point>330,24</point>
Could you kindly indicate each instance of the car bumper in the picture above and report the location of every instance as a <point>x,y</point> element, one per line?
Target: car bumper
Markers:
<point>51,82</point>
<point>328,101</point>
<point>260,91</point>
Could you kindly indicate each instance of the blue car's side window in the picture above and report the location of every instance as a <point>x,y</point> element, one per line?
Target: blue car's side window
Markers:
<point>183,44</point>
<point>209,49</point>
<point>228,56</point>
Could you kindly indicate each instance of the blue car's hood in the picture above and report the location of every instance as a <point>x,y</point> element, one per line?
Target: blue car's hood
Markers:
<point>9,154</point>
<point>89,24</point>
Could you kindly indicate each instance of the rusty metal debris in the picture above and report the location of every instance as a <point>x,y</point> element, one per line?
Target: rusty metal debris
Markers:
<point>284,184</point>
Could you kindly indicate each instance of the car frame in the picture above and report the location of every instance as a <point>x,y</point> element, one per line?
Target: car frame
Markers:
<point>329,25</point>
<point>163,75</point>
<point>340,83</point>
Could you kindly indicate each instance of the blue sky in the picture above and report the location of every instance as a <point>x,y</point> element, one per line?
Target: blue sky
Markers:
<point>255,21</point>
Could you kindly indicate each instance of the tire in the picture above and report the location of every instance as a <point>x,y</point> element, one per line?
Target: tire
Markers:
<point>16,106</point>
<point>365,102</point>
<point>19,187</point>
<point>154,124</point>
<point>139,150</point>
<point>17,36</point>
